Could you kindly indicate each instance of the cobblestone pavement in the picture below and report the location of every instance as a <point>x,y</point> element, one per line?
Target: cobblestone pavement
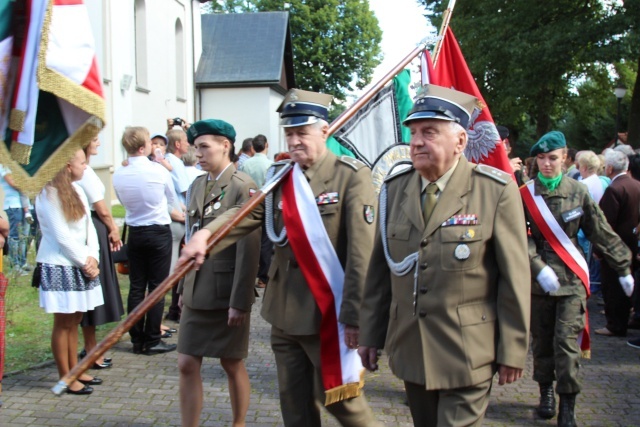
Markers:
<point>143,391</point>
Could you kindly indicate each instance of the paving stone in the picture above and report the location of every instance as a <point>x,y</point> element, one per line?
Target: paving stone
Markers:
<point>143,391</point>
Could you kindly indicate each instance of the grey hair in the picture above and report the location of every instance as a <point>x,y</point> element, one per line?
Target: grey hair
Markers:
<point>320,123</point>
<point>457,127</point>
<point>189,158</point>
<point>626,149</point>
<point>618,161</point>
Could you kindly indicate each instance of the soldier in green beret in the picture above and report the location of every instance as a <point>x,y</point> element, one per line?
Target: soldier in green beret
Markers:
<point>556,207</point>
<point>216,300</point>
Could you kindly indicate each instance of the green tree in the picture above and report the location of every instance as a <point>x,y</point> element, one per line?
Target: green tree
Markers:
<point>528,58</point>
<point>336,43</point>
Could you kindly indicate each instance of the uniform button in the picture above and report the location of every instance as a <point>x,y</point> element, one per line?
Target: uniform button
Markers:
<point>423,313</point>
<point>484,317</point>
<point>424,266</point>
<point>423,243</point>
<point>423,290</point>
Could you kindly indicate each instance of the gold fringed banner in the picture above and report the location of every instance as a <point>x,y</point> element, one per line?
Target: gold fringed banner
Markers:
<point>16,120</point>
<point>31,185</point>
<point>343,392</point>
<point>21,153</point>
<point>586,354</point>
<point>61,86</point>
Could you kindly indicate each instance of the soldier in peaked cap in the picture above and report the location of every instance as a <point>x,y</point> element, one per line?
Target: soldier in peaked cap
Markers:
<point>447,290</point>
<point>561,206</point>
<point>336,194</point>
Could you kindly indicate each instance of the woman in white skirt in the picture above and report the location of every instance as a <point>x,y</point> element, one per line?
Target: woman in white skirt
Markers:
<point>68,265</point>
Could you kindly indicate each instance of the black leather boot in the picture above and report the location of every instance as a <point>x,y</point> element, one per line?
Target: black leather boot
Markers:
<point>567,416</point>
<point>547,407</point>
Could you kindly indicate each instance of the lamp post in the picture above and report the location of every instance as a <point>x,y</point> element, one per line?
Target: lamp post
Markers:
<point>619,92</point>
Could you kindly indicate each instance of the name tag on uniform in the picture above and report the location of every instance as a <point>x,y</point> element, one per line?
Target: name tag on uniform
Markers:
<point>327,198</point>
<point>572,214</point>
<point>467,219</point>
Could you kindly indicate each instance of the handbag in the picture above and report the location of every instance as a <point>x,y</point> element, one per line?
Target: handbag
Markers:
<point>120,258</point>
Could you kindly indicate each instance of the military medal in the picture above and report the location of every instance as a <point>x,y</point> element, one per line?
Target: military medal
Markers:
<point>217,205</point>
<point>207,211</point>
<point>468,234</point>
<point>462,252</point>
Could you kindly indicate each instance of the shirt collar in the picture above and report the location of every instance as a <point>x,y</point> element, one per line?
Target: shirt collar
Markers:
<point>313,169</point>
<point>442,181</point>
<point>619,175</point>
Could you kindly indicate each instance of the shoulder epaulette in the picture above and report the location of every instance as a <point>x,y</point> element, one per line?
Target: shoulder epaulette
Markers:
<point>354,163</point>
<point>399,168</point>
<point>498,175</point>
<point>239,175</point>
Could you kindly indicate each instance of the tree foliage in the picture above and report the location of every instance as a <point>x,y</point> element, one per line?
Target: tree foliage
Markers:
<point>537,63</point>
<point>336,43</point>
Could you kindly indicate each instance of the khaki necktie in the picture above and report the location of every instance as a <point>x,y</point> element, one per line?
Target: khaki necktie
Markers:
<point>209,187</point>
<point>430,201</point>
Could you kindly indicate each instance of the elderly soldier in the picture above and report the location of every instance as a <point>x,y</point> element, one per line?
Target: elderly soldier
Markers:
<point>447,289</point>
<point>318,270</point>
<point>556,208</point>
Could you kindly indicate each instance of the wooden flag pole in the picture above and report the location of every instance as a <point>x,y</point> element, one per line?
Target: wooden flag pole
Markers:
<point>154,297</point>
<point>446,18</point>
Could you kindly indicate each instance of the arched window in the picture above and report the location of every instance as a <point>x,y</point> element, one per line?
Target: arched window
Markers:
<point>141,43</point>
<point>180,62</point>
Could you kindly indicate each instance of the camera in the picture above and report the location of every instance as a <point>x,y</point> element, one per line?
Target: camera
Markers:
<point>177,121</point>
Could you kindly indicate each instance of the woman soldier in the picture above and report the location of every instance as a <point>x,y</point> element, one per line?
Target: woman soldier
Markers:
<point>216,300</point>
<point>556,207</point>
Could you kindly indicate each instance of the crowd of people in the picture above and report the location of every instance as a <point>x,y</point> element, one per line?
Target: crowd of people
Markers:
<point>454,271</point>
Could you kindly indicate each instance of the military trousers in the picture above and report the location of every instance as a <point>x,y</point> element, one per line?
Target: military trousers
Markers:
<point>556,322</point>
<point>464,406</point>
<point>301,389</point>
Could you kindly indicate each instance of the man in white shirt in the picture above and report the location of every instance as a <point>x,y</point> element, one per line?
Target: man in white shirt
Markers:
<point>177,146</point>
<point>146,191</point>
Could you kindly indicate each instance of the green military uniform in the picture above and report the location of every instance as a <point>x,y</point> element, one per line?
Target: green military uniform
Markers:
<point>556,320</point>
<point>225,280</point>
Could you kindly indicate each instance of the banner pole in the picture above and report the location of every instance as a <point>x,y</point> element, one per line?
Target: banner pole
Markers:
<point>446,18</point>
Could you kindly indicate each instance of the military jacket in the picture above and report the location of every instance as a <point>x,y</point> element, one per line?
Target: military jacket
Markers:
<point>472,298</point>
<point>227,278</point>
<point>574,209</point>
<point>346,202</point>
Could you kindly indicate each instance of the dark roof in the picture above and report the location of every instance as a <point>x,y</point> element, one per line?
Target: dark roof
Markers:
<point>245,49</point>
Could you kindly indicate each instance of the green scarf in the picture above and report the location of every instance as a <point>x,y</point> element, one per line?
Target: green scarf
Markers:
<point>550,183</point>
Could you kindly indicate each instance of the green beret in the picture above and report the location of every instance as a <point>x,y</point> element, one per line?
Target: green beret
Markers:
<point>211,127</point>
<point>550,141</point>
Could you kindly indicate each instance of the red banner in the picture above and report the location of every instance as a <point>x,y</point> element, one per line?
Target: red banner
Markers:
<point>451,71</point>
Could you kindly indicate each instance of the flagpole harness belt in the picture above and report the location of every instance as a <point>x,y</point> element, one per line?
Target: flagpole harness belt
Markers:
<point>403,267</point>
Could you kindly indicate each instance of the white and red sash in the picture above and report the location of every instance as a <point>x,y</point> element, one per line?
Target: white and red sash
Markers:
<point>562,246</point>
<point>341,366</point>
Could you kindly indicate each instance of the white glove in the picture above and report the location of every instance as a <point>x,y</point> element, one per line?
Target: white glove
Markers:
<point>548,280</point>
<point>627,284</point>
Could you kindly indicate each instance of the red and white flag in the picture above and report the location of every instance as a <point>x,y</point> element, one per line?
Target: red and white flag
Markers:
<point>451,71</point>
<point>341,366</point>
